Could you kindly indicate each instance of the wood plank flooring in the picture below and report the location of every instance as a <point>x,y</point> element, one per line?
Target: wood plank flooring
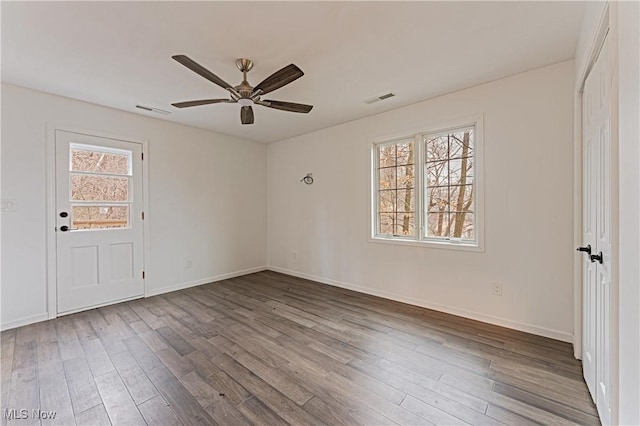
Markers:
<point>268,348</point>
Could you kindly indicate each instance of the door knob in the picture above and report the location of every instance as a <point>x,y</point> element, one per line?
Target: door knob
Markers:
<point>64,228</point>
<point>586,249</point>
<point>597,258</point>
<point>64,214</point>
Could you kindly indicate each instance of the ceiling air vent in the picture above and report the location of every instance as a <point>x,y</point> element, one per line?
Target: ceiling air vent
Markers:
<point>152,109</point>
<point>379,98</point>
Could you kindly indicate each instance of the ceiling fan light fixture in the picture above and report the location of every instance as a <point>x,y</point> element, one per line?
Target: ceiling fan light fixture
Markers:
<point>245,101</point>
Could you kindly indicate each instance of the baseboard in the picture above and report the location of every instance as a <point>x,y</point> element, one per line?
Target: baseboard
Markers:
<point>201,281</point>
<point>503,322</point>
<point>24,321</point>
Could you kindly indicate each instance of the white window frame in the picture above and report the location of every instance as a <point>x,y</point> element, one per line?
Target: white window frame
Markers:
<point>421,240</point>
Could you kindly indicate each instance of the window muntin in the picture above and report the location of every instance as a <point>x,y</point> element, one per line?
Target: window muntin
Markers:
<point>441,204</point>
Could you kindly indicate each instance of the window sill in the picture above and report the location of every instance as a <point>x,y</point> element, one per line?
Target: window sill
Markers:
<point>474,247</point>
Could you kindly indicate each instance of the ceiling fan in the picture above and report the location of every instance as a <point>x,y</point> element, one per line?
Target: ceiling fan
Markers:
<point>244,94</point>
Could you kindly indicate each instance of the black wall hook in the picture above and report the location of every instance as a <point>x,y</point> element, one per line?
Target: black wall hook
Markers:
<point>308,179</point>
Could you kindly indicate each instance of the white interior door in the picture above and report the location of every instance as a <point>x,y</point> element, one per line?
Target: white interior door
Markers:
<point>597,232</point>
<point>589,212</point>
<point>99,232</point>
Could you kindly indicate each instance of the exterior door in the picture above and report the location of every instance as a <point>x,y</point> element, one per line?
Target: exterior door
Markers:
<point>597,232</point>
<point>99,233</point>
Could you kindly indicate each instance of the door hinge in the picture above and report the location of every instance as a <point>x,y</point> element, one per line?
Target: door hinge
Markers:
<point>143,275</point>
<point>142,156</point>
<point>142,215</point>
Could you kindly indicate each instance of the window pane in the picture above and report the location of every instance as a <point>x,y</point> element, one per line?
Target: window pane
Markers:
<point>99,217</point>
<point>387,201</point>
<point>438,225</point>
<point>437,148</point>
<point>455,168</point>
<point>387,155</point>
<point>405,177</point>
<point>387,178</point>
<point>461,143</point>
<point>99,188</point>
<point>461,198</point>
<point>438,199</point>
<point>387,223</point>
<point>470,170</point>
<point>462,225</point>
<point>456,175</point>
<point>437,173</point>
<point>406,200</point>
<point>405,224</point>
<point>100,162</point>
<point>404,152</point>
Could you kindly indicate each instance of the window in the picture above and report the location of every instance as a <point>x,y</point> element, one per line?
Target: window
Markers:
<point>426,188</point>
<point>396,189</point>
<point>100,187</point>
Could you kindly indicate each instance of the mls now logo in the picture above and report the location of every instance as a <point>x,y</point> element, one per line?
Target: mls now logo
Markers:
<point>23,413</point>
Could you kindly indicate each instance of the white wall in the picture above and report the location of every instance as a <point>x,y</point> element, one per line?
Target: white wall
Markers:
<point>528,207</point>
<point>206,198</point>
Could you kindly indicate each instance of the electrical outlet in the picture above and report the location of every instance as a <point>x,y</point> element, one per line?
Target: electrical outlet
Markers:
<point>188,264</point>
<point>496,289</point>
<point>8,205</point>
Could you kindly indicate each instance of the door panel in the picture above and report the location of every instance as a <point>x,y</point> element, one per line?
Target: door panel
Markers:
<point>597,232</point>
<point>589,224</point>
<point>99,238</point>
<point>603,397</point>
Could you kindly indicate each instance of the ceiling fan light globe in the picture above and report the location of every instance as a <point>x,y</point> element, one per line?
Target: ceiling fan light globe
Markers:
<point>245,102</point>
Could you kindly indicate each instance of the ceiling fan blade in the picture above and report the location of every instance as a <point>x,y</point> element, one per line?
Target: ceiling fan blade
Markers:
<point>201,102</point>
<point>279,78</point>
<point>199,69</point>
<point>246,115</point>
<point>287,106</point>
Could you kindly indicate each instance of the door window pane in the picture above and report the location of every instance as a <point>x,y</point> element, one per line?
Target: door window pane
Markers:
<point>99,217</point>
<point>84,159</point>
<point>99,188</point>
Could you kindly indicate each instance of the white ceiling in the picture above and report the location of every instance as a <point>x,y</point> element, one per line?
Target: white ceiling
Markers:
<point>118,54</point>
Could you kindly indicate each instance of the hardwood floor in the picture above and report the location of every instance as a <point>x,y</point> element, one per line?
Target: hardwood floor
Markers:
<point>272,349</point>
